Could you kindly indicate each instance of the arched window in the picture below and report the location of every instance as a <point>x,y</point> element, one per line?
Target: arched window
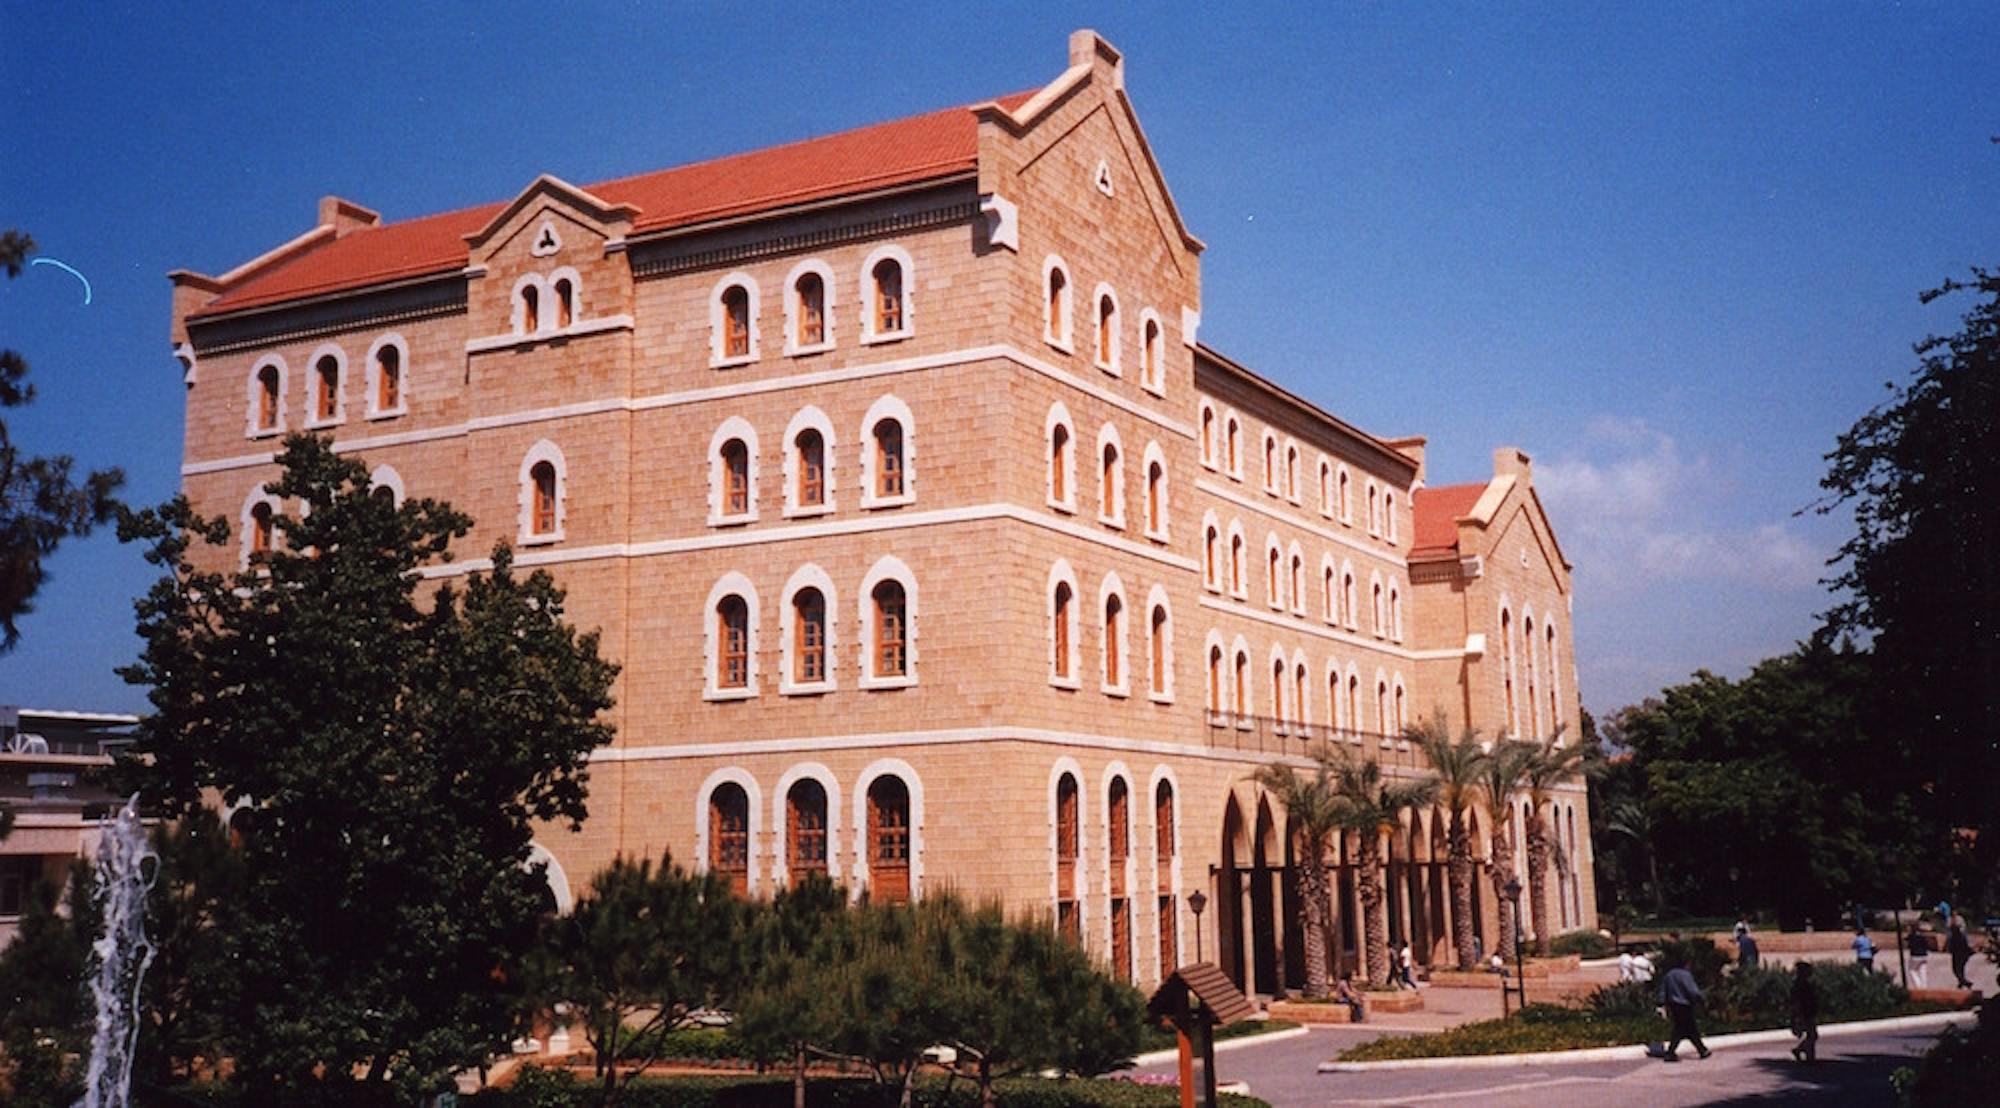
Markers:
<point>1215,698</point>
<point>263,530</point>
<point>1063,605</point>
<point>1336,704</point>
<point>326,389</point>
<point>890,653</point>
<point>1555,698</point>
<point>887,281</point>
<point>1330,593</point>
<point>805,828</point>
<point>388,378</point>
<point>1325,489</point>
<point>1301,687</point>
<point>735,477</point>
<point>1233,446</point>
<point>1069,917</point>
<point>1150,370</point>
<point>809,637</point>
<point>732,636</point>
<point>1534,665</point>
<point>1270,463</point>
<point>1057,310</point>
<point>530,309</point>
<point>1292,472</point>
<point>1274,590</point>
<point>270,406</point>
<point>1389,510</point>
<point>1114,642</point>
<point>889,478</point>
<point>1240,684</point>
<point>1118,850</point>
<point>1401,720</point>
<point>1059,464</point>
<point>1350,613</point>
<point>543,521</point>
<point>729,835</point>
<point>1107,330</point>
<point>1354,717</point>
<point>889,840</point>
<point>736,322</point>
<point>1207,436</point>
<point>1211,557</point>
<point>1385,720</point>
<point>1278,689</point>
<point>565,293</point>
<point>809,322</point>
<point>1298,582</point>
<point>809,464</point>
<point>1156,497</point>
<point>1507,672</point>
<point>1110,483</point>
<point>1163,854</point>
<point>1377,611</point>
<point>1236,574</point>
<point>1374,509</point>
<point>1346,499</point>
<point>1157,648</point>
<point>1395,613</point>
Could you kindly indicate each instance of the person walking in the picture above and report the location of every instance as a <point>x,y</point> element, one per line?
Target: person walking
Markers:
<point>1919,946</point>
<point>1864,949</point>
<point>1408,961</point>
<point>1959,946</point>
<point>1746,948</point>
<point>1679,994</point>
<point>1805,1013</point>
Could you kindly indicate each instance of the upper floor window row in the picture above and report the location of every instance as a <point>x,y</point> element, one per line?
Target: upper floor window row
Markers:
<point>886,445</point>
<point>811,634</point>
<point>547,303</point>
<point>384,387</point>
<point>1107,322</point>
<point>886,308</point>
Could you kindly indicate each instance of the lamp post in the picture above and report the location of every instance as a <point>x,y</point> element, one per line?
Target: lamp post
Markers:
<point>1513,891</point>
<point>1197,900</point>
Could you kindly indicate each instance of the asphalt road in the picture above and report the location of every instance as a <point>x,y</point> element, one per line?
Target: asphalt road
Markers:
<point>1852,1070</point>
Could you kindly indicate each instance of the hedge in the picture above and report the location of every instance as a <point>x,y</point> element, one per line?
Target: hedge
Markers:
<point>538,1088</point>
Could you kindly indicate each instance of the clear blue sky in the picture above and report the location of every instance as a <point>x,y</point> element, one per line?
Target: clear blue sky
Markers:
<point>1671,254</point>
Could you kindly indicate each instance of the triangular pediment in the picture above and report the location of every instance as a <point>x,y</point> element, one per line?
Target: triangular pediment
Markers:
<point>611,220</point>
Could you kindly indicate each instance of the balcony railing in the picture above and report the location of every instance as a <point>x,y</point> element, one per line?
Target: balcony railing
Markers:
<point>1268,735</point>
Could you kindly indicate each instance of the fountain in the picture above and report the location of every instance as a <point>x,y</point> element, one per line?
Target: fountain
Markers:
<point>122,954</point>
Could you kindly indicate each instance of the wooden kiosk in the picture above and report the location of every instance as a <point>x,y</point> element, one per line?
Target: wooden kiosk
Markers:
<point>1197,999</point>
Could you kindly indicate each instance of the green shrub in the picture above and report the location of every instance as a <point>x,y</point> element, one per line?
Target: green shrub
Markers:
<point>1701,956</point>
<point>696,1044</point>
<point>1629,998</point>
<point>1751,992</point>
<point>1846,991</point>
<point>1155,1037</point>
<point>1588,944</point>
<point>1963,1068</point>
<point>537,1088</point>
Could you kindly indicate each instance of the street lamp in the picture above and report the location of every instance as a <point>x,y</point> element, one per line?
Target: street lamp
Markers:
<point>1197,900</point>
<point>1513,891</point>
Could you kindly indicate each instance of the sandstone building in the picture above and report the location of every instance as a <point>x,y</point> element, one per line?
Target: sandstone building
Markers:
<point>937,549</point>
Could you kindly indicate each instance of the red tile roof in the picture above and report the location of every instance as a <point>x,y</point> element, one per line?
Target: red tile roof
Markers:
<point>1437,512</point>
<point>903,151</point>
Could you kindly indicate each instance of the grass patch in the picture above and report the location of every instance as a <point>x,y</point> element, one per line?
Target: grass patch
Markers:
<point>1160,1038</point>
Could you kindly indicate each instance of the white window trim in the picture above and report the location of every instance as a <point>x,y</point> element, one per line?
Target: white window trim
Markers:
<point>1296,583</point>
<point>1374,507</point>
<point>1273,459</point>
<point>575,279</point>
<point>1059,417</point>
<point>1329,493</point>
<point>718,335</point>
<point>326,350</point>
<point>1292,458</point>
<point>1068,765</point>
<point>1232,430</point>
<point>1382,694</point>
<point>1112,586</point>
<point>1214,583</point>
<point>374,374</point>
<point>1301,692</point>
<point>1097,297</point>
<point>1336,695</point>
<point>386,477</point>
<point>1274,581</point>
<point>1061,573</point>
<point>729,775</point>
<point>257,496</point>
<point>1378,605</point>
<point>1399,693</point>
<point>810,418</point>
<point>1395,610</point>
<point>1357,715</point>
<point>1157,382</point>
<point>1164,772</point>
<point>914,786</point>
<point>542,451</point>
<point>1389,512</point>
<point>553,873</point>
<point>1062,339</point>
<point>1157,530</point>
<point>1157,598</point>
<point>886,568</point>
<point>1342,475</point>
<point>807,576</point>
<point>781,875</point>
<point>1211,450</point>
<point>544,316</point>
<point>1211,645</point>
<point>888,406</point>
<point>735,427</point>
<point>793,349</point>
<point>1115,772</point>
<point>1280,662</point>
<point>1329,578</point>
<point>1350,599</point>
<point>1246,689</point>
<point>1111,501</point>
<point>902,257</point>
<point>711,622</point>
<point>253,394</point>
<point>1236,578</point>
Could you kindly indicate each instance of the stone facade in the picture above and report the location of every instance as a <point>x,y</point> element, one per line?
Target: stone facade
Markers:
<point>652,379</point>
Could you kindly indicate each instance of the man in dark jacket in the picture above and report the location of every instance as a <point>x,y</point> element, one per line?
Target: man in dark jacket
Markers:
<point>1680,994</point>
<point>1959,946</point>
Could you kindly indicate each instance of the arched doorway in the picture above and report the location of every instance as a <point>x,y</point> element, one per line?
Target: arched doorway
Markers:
<point>1264,902</point>
<point>1228,906</point>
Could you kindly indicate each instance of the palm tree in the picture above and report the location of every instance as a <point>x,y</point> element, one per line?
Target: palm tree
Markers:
<point>1368,806</point>
<point>1551,765</point>
<point>1458,764</point>
<point>1630,819</point>
<point>1314,811</point>
<point>1500,782</point>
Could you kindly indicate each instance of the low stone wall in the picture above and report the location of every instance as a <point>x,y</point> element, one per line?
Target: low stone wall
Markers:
<point>1958,998</point>
<point>1301,1012</point>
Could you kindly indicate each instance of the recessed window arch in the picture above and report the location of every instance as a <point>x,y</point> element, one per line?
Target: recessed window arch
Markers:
<point>1510,719</point>
<point>1056,315</point>
<point>530,303</point>
<point>1374,508</point>
<point>1212,554</point>
<point>1114,666</point>
<point>730,641</point>
<point>809,308</point>
<point>1157,506</point>
<point>1066,830</point>
<point>807,633</point>
<point>889,822</point>
<point>732,473</point>
<point>566,297</point>
<point>888,454</point>
<point>544,488</point>
<point>1110,477</point>
<point>727,807</point>
<point>888,283</point>
<point>732,318</point>
<point>1208,435</point>
<point>1232,445</point>
<point>1272,478</point>
<point>1555,685</point>
<point>1329,582</point>
<point>1274,572</point>
<point>1152,353</point>
<point>1356,721</point>
<point>1239,679</point>
<point>1385,721</point>
<point>1326,493</point>
<point>1292,471</point>
<point>809,463</point>
<point>1295,574</point>
<point>1064,644</point>
<point>1118,870</point>
<point>1106,316</point>
<point>326,374</point>
<point>889,624</point>
<point>1345,490</point>
<point>1336,700</point>
<point>265,395</point>
<point>387,384</point>
<point>1217,673</point>
<point>1378,605</point>
<point>1059,450</point>
<point>1159,646</point>
<point>1301,689</point>
<point>259,525</point>
<point>1534,654</point>
<point>803,808</point>
<point>387,482</point>
<point>1389,515</point>
<point>1166,869</point>
<point>1396,611</point>
<point>1239,572</point>
<point>1399,706</point>
<point>1280,669</point>
<point>1350,612</point>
